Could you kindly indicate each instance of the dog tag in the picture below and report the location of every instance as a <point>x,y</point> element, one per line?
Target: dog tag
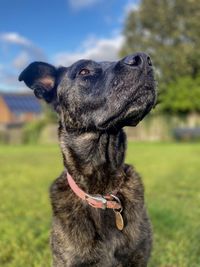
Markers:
<point>119,220</point>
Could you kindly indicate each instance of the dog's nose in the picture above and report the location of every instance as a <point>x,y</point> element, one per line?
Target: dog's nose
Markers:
<point>138,60</point>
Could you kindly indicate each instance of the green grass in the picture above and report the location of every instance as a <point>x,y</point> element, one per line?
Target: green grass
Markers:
<point>172,181</point>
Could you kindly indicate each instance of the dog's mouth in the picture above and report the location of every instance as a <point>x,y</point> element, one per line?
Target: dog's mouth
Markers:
<point>131,113</point>
<point>110,121</point>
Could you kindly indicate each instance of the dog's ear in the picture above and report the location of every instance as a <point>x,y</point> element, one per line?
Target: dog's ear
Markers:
<point>43,78</point>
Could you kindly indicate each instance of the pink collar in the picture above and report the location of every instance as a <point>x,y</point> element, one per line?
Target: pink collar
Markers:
<point>97,201</point>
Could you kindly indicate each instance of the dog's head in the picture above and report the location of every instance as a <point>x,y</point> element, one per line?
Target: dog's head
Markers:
<point>91,95</point>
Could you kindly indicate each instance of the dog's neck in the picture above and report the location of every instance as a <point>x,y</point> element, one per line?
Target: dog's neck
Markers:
<point>95,160</point>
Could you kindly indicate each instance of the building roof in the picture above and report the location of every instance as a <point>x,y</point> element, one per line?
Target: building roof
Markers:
<point>21,102</point>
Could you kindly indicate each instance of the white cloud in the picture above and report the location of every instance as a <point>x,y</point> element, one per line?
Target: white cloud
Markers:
<point>22,60</point>
<point>14,38</point>
<point>79,4</point>
<point>26,52</point>
<point>95,49</point>
<point>9,81</point>
<point>131,6</point>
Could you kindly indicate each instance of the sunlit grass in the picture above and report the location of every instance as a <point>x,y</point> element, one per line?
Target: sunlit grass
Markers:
<point>171,174</point>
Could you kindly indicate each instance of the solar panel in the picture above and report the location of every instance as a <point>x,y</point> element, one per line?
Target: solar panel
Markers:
<point>22,103</point>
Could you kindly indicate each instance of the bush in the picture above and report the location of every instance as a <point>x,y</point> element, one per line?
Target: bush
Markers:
<point>32,130</point>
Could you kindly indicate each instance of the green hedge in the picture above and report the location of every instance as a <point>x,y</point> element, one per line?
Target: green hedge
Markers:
<point>32,131</point>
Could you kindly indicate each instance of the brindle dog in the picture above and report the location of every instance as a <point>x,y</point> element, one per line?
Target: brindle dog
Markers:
<point>94,101</point>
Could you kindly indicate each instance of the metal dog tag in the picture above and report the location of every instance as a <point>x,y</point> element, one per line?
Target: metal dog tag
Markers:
<point>119,220</point>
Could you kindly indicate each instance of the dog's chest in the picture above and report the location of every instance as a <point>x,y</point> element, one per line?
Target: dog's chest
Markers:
<point>97,245</point>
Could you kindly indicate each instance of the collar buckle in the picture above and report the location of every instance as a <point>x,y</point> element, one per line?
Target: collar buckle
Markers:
<point>97,198</point>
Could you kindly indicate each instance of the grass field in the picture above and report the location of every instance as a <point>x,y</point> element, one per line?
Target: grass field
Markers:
<point>172,181</point>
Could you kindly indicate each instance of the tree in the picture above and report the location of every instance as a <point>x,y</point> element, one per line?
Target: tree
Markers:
<point>168,30</point>
<point>182,96</point>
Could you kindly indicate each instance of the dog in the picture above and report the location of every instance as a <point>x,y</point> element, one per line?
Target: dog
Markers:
<point>99,215</point>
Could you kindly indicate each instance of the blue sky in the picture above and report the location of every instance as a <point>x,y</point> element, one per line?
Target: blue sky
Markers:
<point>59,32</point>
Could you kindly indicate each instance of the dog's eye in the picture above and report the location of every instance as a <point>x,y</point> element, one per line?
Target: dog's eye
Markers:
<point>84,72</point>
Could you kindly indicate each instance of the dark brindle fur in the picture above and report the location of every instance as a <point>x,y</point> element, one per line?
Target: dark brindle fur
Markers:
<point>94,101</point>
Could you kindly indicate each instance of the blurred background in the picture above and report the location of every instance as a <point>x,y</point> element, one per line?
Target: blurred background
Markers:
<point>165,147</point>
